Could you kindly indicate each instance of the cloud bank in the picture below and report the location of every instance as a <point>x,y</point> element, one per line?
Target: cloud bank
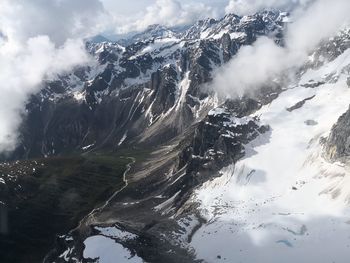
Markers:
<point>39,39</point>
<point>264,60</point>
<point>58,19</point>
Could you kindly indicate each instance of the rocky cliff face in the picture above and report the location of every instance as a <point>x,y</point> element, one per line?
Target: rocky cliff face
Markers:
<point>338,143</point>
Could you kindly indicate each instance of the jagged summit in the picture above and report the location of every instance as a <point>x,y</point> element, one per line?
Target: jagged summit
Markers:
<point>152,32</point>
<point>275,19</point>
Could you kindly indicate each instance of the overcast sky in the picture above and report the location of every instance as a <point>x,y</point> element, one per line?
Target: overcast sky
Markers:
<point>130,7</point>
<point>135,15</point>
<point>123,16</point>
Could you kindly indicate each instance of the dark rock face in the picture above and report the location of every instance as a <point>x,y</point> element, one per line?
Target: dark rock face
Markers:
<point>163,83</point>
<point>171,173</point>
<point>219,139</point>
<point>299,104</point>
<point>330,50</point>
<point>337,145</point>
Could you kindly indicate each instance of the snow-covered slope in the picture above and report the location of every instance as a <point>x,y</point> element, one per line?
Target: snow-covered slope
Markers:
<point>284,202</point>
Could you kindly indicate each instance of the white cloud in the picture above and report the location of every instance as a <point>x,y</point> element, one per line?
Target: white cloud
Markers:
<point>24,66</point>
<point>243,7</point>
<point>58,19</point>
<point>165,12</point>
<point>42,39</point>
<point>252,66</point>
<point>264,60</point>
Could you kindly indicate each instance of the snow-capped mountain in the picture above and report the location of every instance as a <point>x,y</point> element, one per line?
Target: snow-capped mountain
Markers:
<point>155,84</point>
<point>260,178</point>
